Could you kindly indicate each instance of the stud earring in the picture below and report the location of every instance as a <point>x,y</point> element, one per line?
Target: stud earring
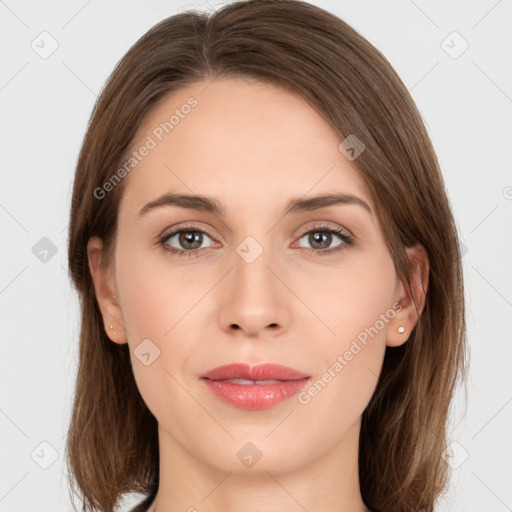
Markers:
<point>111,327</point>
<point>401,329</point>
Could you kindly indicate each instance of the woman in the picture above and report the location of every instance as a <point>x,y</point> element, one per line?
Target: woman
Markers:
<point>269,272</point>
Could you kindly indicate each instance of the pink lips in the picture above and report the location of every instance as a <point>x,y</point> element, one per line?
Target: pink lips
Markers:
<point>246,387</point>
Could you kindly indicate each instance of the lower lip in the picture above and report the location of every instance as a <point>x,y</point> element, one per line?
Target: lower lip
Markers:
<point>255,396</point>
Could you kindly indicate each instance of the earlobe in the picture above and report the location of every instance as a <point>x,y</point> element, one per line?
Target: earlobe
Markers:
<point>104,287</point>
<point>411,301</point>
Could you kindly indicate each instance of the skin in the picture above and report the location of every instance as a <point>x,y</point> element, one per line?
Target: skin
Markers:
<point>253,147</point>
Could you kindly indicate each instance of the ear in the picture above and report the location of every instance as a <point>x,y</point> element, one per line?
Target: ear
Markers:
<point>106,295</point>
<point>408,310</point>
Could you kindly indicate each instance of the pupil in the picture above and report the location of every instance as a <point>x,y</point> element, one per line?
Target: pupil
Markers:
<point>189,237</point>
<point>322,238</point>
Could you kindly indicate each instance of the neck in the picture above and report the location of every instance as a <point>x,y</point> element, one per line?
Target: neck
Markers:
<point>329,482</point>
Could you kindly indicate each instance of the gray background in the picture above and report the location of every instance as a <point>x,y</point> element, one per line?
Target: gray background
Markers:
<point>465,100</point>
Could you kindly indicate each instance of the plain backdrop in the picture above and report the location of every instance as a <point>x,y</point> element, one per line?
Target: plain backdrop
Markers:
<point>455,59</point>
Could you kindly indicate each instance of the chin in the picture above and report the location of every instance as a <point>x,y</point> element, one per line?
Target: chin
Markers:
<point>258,458</point>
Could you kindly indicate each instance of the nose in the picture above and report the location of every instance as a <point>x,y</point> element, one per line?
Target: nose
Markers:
<point>254,301</point>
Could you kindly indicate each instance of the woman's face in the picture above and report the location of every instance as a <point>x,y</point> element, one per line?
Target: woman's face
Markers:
<point>253,282</point>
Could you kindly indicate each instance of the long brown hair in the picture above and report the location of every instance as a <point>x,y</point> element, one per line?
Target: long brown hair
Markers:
<point>112,445</point>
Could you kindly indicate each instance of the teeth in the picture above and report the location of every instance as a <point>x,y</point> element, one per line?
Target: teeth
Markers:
<point>245,382</point>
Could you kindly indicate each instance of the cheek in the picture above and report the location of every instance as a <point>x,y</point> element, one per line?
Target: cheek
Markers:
<point>155,301</point>
<point>352,298</point>
<point>357,307</point>
<point>361,300</point>
<point>157,293</point>
<point>157,308</point>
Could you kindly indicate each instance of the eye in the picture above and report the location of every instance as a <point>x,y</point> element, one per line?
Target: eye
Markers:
<point>188,238</point>
<point>321,237</point>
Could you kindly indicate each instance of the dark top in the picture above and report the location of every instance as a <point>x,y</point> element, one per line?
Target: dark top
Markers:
<point>146,502</point>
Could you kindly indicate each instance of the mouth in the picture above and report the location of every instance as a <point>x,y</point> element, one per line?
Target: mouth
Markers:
<point>245,382</point>
<point>254,387</point>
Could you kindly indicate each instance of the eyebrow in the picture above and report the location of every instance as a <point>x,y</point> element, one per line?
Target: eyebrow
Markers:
<point>208,204</point>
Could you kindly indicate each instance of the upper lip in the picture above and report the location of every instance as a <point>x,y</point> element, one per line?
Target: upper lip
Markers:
<point>258,372</point>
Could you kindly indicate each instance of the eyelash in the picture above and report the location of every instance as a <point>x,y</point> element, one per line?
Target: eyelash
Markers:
<point>348,240</point>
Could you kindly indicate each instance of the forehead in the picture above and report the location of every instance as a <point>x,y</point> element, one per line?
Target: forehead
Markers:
<point>239,140</point>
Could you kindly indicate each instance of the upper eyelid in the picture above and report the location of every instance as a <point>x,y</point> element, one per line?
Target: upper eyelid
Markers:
<point>193,227</point>
<point>319,225</point>
<point>175,230</point>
